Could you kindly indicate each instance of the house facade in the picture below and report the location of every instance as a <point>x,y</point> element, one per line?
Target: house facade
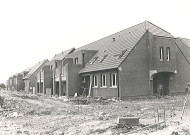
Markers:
<point>10,83</point>
<point>49,79</point>
<point>138,61</point>
<point>71,65</point>
<point>18,83</point>
<point>30,80</point>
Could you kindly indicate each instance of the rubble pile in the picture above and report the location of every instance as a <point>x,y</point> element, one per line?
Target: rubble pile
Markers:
<point>24,113</point>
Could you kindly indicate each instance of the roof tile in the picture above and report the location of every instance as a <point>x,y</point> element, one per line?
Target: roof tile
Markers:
<point>120,43</point>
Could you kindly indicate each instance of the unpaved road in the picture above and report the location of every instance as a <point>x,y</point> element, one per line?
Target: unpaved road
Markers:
<point>38,115</point>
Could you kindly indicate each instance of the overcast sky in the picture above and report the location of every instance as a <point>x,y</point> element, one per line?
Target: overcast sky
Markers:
<point>34,30</point>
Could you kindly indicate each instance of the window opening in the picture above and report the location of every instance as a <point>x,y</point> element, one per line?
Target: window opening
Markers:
<point>94,60</point>
<point>103,58</point>
<point>168,53</point>
<point>161,53</point>
<point>95,81</point>
<point>103,80</point>
<point>113,80</point>
<point>76,60</point>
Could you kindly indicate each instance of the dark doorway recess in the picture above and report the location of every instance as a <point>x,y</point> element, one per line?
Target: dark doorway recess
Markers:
<point>161,80</point>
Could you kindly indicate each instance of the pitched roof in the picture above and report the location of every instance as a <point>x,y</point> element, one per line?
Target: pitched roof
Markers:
<point>62,55</point>
<point>112,50</point>
<point>185,41</point>
<point>50,63</point>
<point>27,70</point>
<point>184,46</point>
<point>34,68</point>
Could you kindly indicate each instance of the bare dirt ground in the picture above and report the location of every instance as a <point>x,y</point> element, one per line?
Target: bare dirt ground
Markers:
<point>28,114</point>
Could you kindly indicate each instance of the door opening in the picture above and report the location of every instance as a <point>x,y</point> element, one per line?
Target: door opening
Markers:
<point>161,83</point>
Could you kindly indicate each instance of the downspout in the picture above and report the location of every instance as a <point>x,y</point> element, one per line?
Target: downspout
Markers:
<point>83,61</point>
<point>54,81</point>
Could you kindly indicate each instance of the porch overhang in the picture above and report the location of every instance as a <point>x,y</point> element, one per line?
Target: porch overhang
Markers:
<point>153,72</point>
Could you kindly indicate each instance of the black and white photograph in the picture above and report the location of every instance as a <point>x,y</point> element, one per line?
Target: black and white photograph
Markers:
<point>95,67</point>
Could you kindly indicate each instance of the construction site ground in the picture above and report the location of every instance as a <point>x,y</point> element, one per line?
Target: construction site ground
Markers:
<point>23,113</point>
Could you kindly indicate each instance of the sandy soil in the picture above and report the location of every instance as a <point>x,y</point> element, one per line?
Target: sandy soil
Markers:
<point>39,115</point>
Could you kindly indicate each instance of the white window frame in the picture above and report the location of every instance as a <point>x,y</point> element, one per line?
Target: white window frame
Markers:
<point>51,67</point>
<point>102,81</point>
<point>161,53</point>
<point>95,81</point>
<point>113,80</point>
<point>168,53</point>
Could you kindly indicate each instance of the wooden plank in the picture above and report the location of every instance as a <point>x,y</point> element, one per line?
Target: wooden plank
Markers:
<point>90,88</point>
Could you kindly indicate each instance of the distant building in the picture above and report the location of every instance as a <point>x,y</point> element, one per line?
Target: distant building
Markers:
<point>48,78</point>
<point>30,80</point>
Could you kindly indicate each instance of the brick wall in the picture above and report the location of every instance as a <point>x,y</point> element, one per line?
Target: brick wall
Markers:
<point>72,79</point>
<point>48,78</point>
<point>182,77</point>
<point>134,71</point>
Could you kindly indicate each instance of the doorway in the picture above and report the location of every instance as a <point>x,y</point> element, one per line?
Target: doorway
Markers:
<point>85,85</point>
<point>57,88</point>
<point>40,87</point>
<point>63,88</point>
<point>161,83</point>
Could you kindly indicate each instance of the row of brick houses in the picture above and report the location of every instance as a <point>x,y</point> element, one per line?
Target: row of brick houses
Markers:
<point>132,62</point>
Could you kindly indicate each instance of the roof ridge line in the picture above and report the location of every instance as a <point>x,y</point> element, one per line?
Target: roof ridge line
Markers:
<point>41,63</point>
<point>164,36</point>
<point>159,27</point>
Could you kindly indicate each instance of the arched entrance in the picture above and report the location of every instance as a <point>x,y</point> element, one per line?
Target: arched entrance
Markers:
<point>161,81</point>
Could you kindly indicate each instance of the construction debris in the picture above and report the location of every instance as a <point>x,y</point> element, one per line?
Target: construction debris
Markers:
<point>131,121</point>
<point>23,113</point>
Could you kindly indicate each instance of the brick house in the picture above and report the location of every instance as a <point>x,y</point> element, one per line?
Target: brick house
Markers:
<point>48,78</point>
<point>132,62</point>
<point>30,77</point>
<point>70,67</point>
<point>18,83</point>
<point>10,83</point>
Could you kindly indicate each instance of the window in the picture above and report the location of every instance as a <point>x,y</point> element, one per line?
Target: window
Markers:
<point>76,60</point>
<point>15,80</point>
<point>168,53</point>
<point>56,64</point>
<point>103,80</point>
<point>103,58</point>
<point>95,58</point>
<point>83,79</point>
<point>113,80</point>
<point>118,56</point>
<point>95,80</point>
<point>51,67</point>
<point>162,53</point>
